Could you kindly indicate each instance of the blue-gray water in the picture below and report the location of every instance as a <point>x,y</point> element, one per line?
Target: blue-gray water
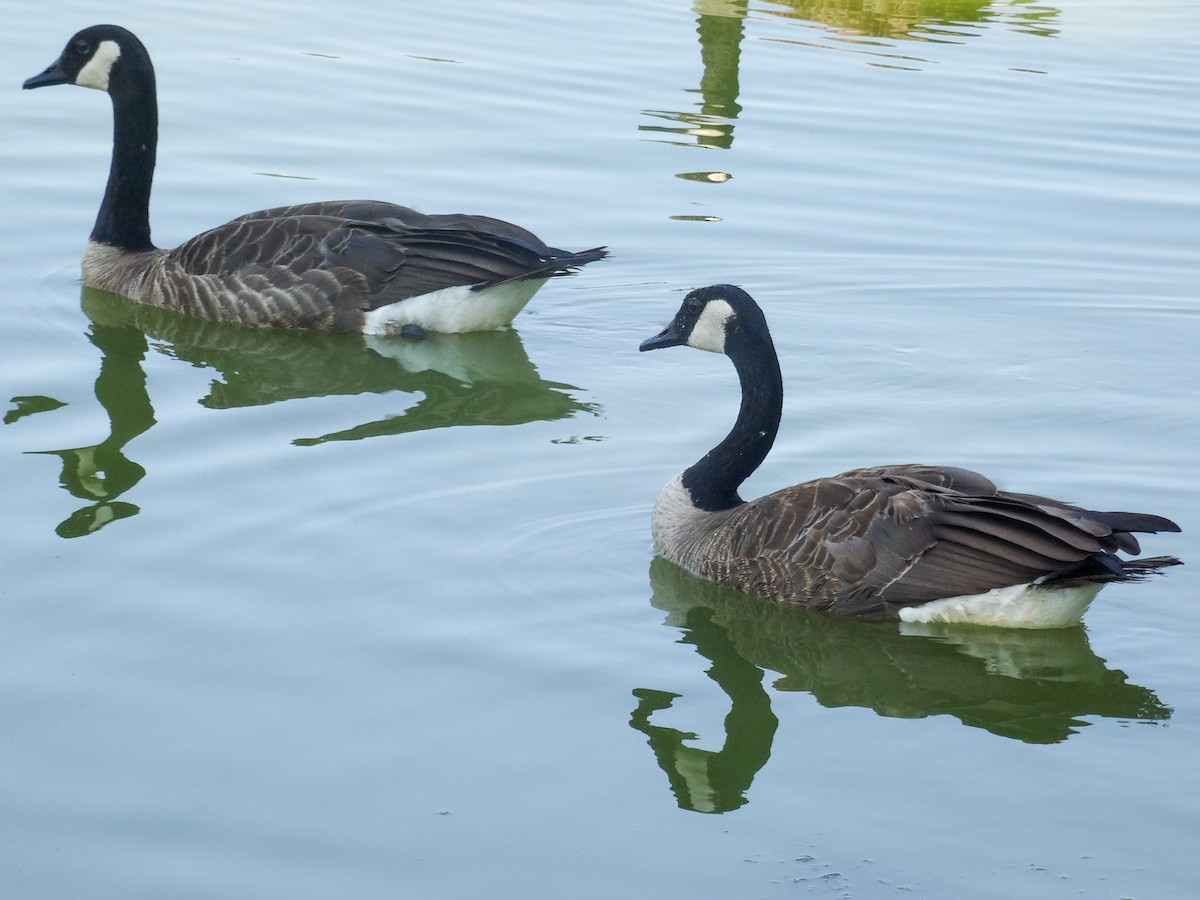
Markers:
<point>290,616</point>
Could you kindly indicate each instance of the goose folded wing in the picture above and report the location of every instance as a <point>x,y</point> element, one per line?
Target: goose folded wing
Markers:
<point>982,543</point>
<point>403,218</point>
<point>406,253</point>
<point>915,475</point>
<point>373,263</point>
<point>256,244</point>
<point>814,544</point>
<point>854,540</point>
<point>865,543</point>
<point>1115,529</point>
<point>416,261</point>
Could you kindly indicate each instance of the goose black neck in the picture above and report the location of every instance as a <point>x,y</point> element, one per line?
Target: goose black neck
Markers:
<point>124,217</point>
<point>713,482</point>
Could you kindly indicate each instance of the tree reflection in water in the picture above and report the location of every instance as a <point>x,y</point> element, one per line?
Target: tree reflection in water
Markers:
<point>875,29</point>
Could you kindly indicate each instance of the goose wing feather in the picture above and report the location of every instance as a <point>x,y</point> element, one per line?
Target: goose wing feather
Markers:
<point>377,253</point>
<point>805,544</point>
<point>872,540</point>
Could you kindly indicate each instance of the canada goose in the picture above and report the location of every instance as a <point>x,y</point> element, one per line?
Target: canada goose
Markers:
<point>909,542</point>
<point>356,265</point>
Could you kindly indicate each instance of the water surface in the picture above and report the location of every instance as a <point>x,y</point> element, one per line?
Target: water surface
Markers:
<point>292,615</point>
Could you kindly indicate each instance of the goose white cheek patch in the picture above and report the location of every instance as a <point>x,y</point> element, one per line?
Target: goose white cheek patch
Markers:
<point>95,73</point>
<point>709,330</point>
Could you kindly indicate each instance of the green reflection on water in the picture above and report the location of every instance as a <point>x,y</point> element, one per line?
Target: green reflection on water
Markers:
<point>721,29</point>
<point>100,473</point>
<point>1032,686</point>
<point>470,379</point>
<point>29,406</point>
<point>868,28</point>
<point>919,19</point>
<point>720,34</point>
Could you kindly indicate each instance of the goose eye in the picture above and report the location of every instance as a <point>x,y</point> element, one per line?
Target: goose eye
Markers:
<point>82,47</point>
<point>693,306</point>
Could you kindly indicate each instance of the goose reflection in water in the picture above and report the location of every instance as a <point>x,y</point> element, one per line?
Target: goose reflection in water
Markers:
<point>100,473</point>
<point>1034,686</point>
<point>463,379</point>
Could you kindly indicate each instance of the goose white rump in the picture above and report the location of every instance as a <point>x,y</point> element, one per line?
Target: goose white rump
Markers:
<point>455,309</point>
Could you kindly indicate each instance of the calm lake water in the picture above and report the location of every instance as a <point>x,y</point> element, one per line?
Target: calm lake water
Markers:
<point>313,616</point>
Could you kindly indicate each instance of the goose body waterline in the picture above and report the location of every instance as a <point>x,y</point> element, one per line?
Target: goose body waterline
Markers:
<point>913,543</point>
<point>356,265</point>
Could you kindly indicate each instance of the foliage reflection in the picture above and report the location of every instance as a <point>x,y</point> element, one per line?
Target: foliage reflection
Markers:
<point>936,20</point>
<point>853,25</point>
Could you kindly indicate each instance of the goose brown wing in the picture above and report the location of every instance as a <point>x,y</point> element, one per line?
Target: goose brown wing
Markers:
<point>865,529</point>
<point>951,544</point>
<point>913,474</point>
<point>381,212</point>
<point>871,540</point>
<point>377,253</point>
<point>982,543</point>
<point>832,543</point>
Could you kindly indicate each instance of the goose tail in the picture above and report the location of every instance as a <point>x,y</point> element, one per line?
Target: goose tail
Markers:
<point>567,263</point>
<point>553,264</point>
<point>1103,568</point>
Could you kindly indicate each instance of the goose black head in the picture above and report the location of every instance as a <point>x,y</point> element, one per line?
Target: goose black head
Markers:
<point>93,58</point>
<point>711,318</point>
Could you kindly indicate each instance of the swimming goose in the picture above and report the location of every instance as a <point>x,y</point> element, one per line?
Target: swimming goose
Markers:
<point>351,265</point>
<point>909,542</point>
